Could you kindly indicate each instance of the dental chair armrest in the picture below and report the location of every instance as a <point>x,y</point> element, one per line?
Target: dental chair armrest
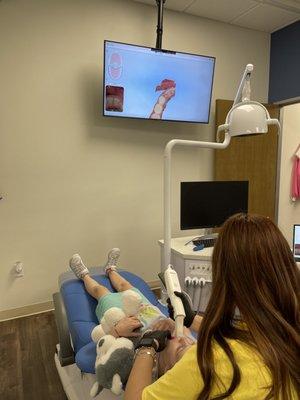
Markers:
<point>65,351</point>
<point>86,357</point>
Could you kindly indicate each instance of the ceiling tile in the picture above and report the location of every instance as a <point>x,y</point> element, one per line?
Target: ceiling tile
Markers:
<point>150,2</point>
<point>262,15</point>
<point>288,5</point>
<point>224,10</point>
<point>178,5</point>
<point>266,18</point>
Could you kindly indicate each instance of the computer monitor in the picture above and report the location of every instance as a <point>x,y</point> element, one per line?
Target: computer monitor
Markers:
<point>209,204</point>
<point>296,242</point>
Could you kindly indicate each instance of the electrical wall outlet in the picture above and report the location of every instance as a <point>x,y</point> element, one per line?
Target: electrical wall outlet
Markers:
<point>19,269</point>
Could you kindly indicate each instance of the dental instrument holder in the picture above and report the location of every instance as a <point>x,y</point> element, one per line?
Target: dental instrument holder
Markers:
<point>173,285</point>
<point>236,125</point>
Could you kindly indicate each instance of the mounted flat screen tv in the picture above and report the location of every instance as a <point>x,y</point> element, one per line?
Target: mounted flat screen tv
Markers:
<point>147,83</point>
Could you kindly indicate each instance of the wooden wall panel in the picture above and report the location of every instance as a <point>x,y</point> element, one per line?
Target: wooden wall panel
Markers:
<point>252,158</point>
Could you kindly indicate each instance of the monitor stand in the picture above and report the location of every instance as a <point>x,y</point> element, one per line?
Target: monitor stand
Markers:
<point>209,236</point>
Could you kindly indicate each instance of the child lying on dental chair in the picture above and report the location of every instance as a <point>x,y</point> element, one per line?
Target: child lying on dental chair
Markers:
<point>148,313</point>
<point>149,317</point>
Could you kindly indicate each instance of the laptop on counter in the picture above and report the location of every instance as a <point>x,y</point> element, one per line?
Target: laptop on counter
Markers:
<point>296,243</point>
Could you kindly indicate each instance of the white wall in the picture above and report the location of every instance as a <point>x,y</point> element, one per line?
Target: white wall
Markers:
<point>288,211</point>
<point>73,181</point>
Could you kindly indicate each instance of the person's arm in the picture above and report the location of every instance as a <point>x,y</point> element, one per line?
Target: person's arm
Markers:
<point>145,357</point>
<point>141,373</point>
<point>183,381</point>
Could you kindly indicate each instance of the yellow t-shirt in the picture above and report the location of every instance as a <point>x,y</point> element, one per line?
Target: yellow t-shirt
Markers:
<point>184,381</point>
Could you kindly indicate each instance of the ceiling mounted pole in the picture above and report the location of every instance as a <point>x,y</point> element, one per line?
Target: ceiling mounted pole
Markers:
<point>159,29</point>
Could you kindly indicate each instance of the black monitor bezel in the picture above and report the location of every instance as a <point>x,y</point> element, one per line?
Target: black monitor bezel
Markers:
<point>185,228</point>
<point>163,51</point>
<point>294,231</point>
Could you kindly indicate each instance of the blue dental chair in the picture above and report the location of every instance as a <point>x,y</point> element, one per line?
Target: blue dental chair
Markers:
<point>75,319</point>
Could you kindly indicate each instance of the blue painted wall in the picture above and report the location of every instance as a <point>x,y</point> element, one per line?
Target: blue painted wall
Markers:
<point>285,63</point>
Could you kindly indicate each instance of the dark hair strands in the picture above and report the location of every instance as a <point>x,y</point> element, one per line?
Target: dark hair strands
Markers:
<point>255,272</point>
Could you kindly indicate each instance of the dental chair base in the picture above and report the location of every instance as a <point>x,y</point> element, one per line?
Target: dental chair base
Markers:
<point>77,384</point>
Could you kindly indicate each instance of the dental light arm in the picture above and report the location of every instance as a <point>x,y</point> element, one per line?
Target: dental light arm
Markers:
<point>245,118</point>
<point>167,185</point>
<point>171,279</point>
<point>244,84</point>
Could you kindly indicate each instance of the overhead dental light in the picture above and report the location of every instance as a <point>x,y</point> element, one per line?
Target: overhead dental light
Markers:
<point>246,117</point>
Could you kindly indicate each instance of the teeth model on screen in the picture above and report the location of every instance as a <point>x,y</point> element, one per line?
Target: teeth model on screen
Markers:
<point>168,87</point>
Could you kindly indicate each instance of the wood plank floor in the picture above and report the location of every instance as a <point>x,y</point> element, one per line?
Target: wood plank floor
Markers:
<point>27,368</point>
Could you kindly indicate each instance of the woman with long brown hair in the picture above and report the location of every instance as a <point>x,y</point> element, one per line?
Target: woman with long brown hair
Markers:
<point>249,339</point>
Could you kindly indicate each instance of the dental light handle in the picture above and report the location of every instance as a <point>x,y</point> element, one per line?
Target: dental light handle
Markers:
<point>245,80</point>
<point>173,285</point>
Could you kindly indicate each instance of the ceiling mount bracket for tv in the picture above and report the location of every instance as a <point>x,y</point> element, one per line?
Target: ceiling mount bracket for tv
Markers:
<point>159,29</point>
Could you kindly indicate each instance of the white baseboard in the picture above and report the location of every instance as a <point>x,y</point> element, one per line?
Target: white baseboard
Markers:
<point>26,310</point>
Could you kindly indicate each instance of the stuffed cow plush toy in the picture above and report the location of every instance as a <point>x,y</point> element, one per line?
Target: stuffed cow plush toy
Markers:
<point>113,364</point>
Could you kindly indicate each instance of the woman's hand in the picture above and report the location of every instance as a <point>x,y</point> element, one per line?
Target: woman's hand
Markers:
<point>159,339</point>
<point>166,324</point>
<point>128,327</point>
<point>141,372</point>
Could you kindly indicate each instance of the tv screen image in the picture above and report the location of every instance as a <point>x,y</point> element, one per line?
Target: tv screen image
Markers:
<point>209,204</point>
<point>141,82</point>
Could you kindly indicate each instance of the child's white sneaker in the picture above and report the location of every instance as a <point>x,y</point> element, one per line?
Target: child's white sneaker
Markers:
<point>77,266</point>
<point>112,260</point>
